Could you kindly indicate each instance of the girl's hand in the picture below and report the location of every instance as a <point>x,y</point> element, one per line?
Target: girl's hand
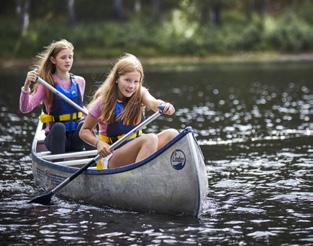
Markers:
<point>31,77</point>
<point>168,108</point>
<point>103,148</point>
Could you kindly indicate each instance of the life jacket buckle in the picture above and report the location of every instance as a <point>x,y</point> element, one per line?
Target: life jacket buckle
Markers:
<point>46,118</point>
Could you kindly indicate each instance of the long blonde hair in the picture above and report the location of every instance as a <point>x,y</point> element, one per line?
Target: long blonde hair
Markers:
<point>132,110</point>
<point>44,65</point>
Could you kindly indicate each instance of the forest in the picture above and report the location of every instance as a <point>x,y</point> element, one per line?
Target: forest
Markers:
<point>157,28</point>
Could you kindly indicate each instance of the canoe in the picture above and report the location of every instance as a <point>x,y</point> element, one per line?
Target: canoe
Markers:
<point>173,180</point>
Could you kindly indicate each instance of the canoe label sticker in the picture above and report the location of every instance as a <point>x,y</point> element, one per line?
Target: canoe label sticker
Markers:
<point>178,159</point>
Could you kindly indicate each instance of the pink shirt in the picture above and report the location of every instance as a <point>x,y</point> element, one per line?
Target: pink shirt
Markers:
<point>30,101</point>
<point>95,109</point>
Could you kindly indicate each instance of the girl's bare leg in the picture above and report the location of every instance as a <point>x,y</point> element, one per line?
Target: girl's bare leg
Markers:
<point>166,136</point>
<point>134,151</point>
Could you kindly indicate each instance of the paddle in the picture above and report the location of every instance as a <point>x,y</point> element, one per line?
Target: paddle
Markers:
<point>46,198</point>
<point>58,93</point>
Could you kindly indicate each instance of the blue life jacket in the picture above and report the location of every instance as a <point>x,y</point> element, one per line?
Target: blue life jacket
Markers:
<point>61,107</point>
<point>117,128</point>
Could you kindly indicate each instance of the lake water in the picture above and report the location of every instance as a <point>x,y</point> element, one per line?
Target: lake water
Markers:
<point>254,123</point>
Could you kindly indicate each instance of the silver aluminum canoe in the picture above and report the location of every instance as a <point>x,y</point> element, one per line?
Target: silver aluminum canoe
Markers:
<point>171,181</point>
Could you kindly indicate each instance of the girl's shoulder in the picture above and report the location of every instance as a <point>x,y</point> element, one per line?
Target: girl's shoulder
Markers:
<point>95,107</point>
<point>97,102</point>
<point>79,79</point>
<point>144,91</point>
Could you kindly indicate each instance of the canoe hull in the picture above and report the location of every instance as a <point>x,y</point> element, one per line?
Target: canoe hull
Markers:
<point>171,181</point>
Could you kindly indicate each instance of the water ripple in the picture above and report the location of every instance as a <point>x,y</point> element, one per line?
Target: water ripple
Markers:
<point>254,125</point>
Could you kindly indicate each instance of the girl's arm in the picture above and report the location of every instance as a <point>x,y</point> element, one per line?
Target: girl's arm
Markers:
<point>82,85</point>
<point>30,101</point>
<point>154,104</point>
<point>87,136</point>
<point>85,132</point>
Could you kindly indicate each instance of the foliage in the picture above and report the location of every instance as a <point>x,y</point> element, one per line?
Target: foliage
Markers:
<point>181,30</point>
<point>291,34</point>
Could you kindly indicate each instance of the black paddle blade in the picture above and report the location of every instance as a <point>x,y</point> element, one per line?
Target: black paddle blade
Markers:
<point>43,199</point>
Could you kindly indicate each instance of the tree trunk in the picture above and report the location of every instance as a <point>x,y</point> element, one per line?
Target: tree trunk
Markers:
<point>137,6</point>
<point>119,9</point>
<point>71,12</point>
<point>155,9</point>
<point>204,14</point>
<point>250,8</point>
<point>22,10</point>
<point>216,13</point>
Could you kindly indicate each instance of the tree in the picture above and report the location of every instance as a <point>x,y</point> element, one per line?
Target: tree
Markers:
<point>216,9</point>
<point>155,9</point>
<point>71,12</point>
<point>209,8</point>
<point>22,10</point>
<point>137,6</point>
<point>119,9</point>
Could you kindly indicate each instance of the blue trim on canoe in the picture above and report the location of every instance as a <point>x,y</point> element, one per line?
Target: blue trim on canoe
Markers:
<point>126,168</point>
<point>197,212</point>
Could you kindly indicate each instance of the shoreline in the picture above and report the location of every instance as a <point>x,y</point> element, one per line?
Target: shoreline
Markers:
<point>10,63</point>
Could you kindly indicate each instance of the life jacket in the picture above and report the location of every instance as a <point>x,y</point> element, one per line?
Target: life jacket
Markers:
<point>118,129</point>
<point>61,111</point>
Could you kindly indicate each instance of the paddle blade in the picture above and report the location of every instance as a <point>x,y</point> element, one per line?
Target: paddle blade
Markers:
<point>44,199</point>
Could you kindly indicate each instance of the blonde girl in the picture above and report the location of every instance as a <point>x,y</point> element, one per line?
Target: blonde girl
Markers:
<point>61,119</point>
<point>117,107</point>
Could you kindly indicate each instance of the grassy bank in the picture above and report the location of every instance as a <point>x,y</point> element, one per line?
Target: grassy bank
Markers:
<point>13,63</point>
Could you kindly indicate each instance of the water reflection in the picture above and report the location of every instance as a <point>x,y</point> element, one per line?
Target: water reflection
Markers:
<point>254,125</point>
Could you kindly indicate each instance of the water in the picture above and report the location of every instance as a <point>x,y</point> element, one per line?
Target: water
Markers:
<point>254,125</point>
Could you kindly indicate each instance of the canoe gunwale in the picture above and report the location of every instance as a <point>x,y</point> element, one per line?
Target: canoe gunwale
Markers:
<point>69,169</point>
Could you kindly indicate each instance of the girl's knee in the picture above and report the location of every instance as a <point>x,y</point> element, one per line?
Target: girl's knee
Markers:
<point>150,139</point>
<point>58,129</point>
<point>173,132</point>
<point>170,134</point>
<point>166,136</point>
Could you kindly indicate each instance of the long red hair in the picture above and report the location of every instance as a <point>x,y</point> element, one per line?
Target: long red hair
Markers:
<point>44,65</point>
<point>132,110</point>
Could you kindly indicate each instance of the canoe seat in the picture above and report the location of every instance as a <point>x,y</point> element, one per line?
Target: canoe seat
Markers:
<point>75,162</point>
<point>70,155</point>
<point>70,159</point>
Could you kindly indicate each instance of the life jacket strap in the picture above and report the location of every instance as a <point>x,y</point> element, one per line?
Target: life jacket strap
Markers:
<point>111,140</point>
<point>46,118</point>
